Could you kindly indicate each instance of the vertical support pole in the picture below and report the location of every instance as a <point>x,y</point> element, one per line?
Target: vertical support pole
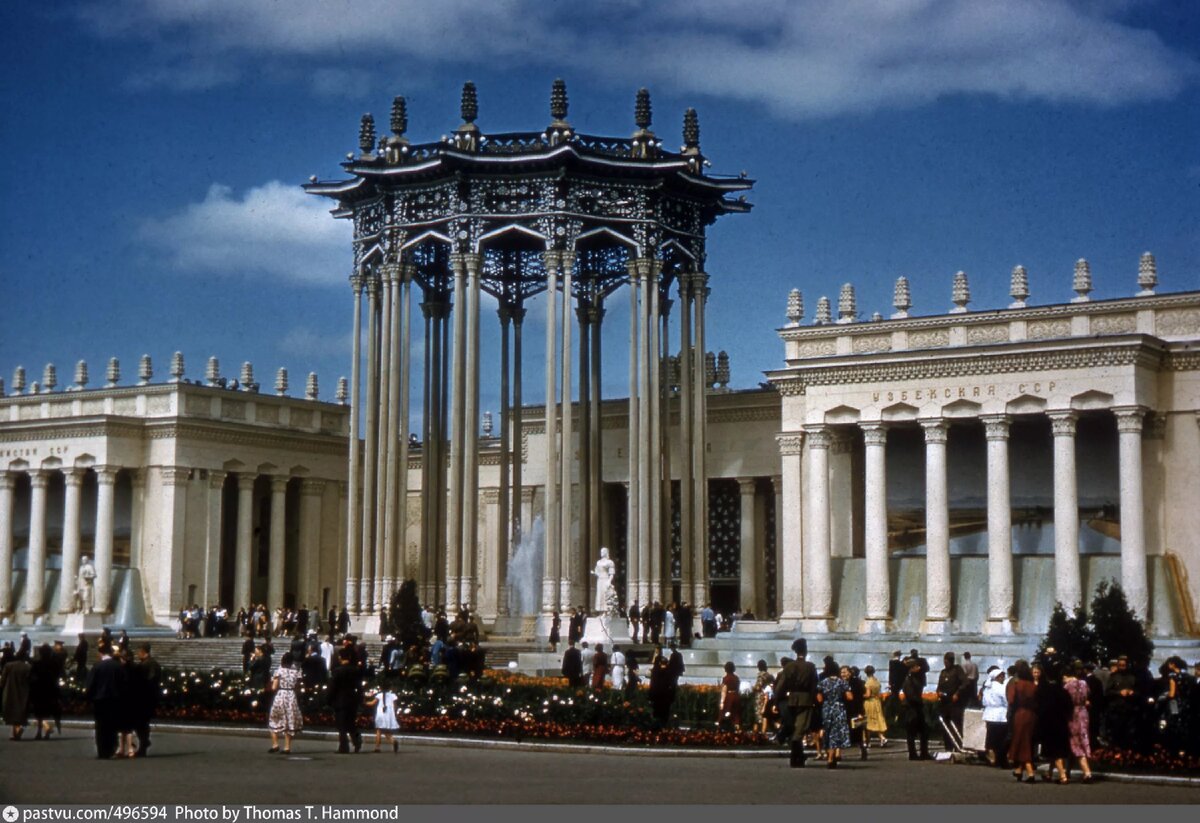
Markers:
<point>106,478</point>
<point>70,541</point>
<point>1133,517</point>
<point>999,517</point>
<point>818,594</point>
<point>366,589</point>
<point>383,459</point>
<point>470,483</point>
<point>7,484</point>
<point>687,486</point>
<point>402,414</point>
<point>1068,583</point>
<point>569,590</point>
<point>878,615</point>
<point>276,543</point>
<point>937,529</point>
<point>353,519</point>
<point>458,424</point>
<point>505,501</point>
<point>245,532</point>
<point>632,505</point>
<point>551,558</point>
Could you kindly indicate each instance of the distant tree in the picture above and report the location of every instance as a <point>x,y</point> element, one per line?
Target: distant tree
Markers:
<point>406,615</point>
<point>1068,637</point>
<point>1117,629</point>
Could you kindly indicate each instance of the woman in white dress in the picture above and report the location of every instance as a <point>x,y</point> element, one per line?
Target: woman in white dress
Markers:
<point>384,702</point>
<point>669,624</point>
<point>285,717</point>
<point>618,668</point>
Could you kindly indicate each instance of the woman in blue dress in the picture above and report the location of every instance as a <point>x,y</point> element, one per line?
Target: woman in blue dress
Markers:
<point>831,694</point>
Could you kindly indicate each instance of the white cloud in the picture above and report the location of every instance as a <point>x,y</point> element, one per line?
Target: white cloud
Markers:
<point>304,342</point>
<point>274,230</point>
<point>801,58</point>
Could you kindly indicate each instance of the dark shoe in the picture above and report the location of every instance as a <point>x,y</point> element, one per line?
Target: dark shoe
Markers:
<point>1031,779</point>
<point>395,746</point>
<point>864,754</point>
<point>357,745</point>
<point>1087,778</point>
<point>273,750</point>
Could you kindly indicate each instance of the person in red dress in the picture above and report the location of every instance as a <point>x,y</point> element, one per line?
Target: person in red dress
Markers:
<point>731,699</point>
<point>1022,697</point>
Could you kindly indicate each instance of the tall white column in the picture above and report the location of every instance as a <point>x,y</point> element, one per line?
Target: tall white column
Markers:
<point>551,558</point>
<point>660,570</point>
<point>645,588</point>
<point>245,533</point>
<point>212,538</point>
<point>137,515</point>
<point>70,545</point>
<point>106,478</point>
<point>370,502</point>
<point>383,459</point>
<point>1068,584</point>
<point>7,482</point>
<point>700,569</point>
<point>391,405</point>
<point>458,423</point>
<point>1133,518</point>
<point>937,529</point>
<point>353,538</point>
<point>402,413</point>
<point>686,488</point>
<point>172,526</point>
<point>1001,611</point>
<point>470,551</point>
<point>633,509</point>
<point>790,601</point>
<point>878,616</point>
<point>276,542</point>
<point>35,576</point>
<point>566,541</point>
<point>311,492</point>
<point>818,593</point>
<point>748,578</point>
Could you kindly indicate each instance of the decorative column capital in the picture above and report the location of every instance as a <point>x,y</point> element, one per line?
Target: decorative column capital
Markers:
<point>874,434</point>
<point>39,478</point>
<point>106,475</point>
<point>74,476</point>
<point>374,287</point>
<point>357,281</point>
<point>176,475</point>
<point>246,481</point>
<point>216,479</point>
<point>819,437</point>
<point>747,486</point>
<point>635,271</point>
<point>1062,423</point>
<point>791,444</point>
<point>505,312</point>
<point>552,260</point>
<point>1130,419</point>
<point>937,430</point>
<point>389,273</point>
<point>137,478</point>
<point>7,481</point>
<point>777,483</point>
<point>312,486</point>
<point>995,427</point>
<point>279,483</point>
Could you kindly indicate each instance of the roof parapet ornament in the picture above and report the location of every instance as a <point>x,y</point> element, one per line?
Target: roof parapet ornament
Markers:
<point>645,144</point>
<point>723,370</point>
<point>1018,288</point>
<point>691,141</point>
<point>281,382</point>
<point>847,305</point>
<point>960,293</point>
<point>1147,274</point>
<point>824,312</point>
<point>177,367</point>
<point>247,376</point>
<point>396,145</point>
<point>901,299</point>
<point>310,388</point>
<point>114,372</point>
<point>559,129</point>
<point>145,370</point>
<point>466,136</point>
<point>795,308</point>
<point>18,380</point>
<point>81,376</point>
<point>366,135</point>
<point>343,391</point>
<point>1082,282</point>
<point>212,372</point>
<point>49,378</point>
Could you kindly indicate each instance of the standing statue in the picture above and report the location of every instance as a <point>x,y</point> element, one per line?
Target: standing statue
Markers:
<point>85,586</point>
<point>605,571</point>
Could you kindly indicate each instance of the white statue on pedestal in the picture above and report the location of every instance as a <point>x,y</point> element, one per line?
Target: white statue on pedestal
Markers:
<point>85,583</point>
<point>606,595</point>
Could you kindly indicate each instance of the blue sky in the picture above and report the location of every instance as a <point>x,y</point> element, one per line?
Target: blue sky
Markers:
<point>153,152</point>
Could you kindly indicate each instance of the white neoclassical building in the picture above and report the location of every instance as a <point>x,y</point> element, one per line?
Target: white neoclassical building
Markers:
<point>181,492</point>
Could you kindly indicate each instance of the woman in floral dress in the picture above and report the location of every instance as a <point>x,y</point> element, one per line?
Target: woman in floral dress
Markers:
<point>1081,745</point>
<point>285,718</point>
<point>764,683</point>
<point>831,694</point>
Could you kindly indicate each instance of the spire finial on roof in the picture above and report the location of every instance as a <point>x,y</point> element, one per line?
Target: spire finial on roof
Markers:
<point>558,99</point>
<point>1147,274</point>
<point>366,134</point>
<point>145,370</point>
<point>901,299</point>
<point>847,304</point>
<point>81,375</point>
<point>1082,281</point>
<point>691,130</point>
<point>824,313</point>
<point>960,293</point>
<point>641,109</point>
<point>1018,288</point>
<point>795,307</point>
<point>469,109</point>
<point>399,116</point>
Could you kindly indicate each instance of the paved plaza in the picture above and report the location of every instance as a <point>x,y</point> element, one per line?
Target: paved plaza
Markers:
<point>235,770</point>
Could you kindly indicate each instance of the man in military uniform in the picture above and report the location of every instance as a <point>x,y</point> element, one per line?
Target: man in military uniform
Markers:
<point>797,685</point>
<point>953,690</point>
<point>914,708</point>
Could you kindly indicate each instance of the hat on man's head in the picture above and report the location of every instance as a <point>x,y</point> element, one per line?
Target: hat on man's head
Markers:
<point>800,646</point>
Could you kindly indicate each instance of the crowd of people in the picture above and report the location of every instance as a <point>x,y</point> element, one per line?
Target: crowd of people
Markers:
<point>259,621</point>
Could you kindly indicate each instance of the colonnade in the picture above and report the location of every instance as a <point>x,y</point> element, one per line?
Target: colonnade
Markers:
<point>34,601</point>
<point>807,559</point>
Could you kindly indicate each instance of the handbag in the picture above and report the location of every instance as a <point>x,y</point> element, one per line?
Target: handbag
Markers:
<point>858,722</point>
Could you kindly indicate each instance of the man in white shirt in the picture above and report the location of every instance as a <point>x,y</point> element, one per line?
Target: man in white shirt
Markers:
<point>586,654</point>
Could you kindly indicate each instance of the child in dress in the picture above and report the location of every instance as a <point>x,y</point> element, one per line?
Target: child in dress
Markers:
<point>384,702</point>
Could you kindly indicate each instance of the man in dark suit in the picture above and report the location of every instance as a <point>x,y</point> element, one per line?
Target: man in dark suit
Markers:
<point>953,690</point>
<point>897,671</point>
<point>247,653</point>
<point>81,658</point>
<point>345,695</point>
<point>635,621</point>
<point>684,618</point>
<point>343,621</point>
<point>914,707</point>
<point>572,665</point>
<point>144,677</point>
<point>333,619</point>
<point>106,685</point>
<point>797,686</point>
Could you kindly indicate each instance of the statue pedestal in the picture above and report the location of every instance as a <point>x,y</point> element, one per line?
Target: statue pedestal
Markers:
<point>616,631</point>
<point>77,623</point>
